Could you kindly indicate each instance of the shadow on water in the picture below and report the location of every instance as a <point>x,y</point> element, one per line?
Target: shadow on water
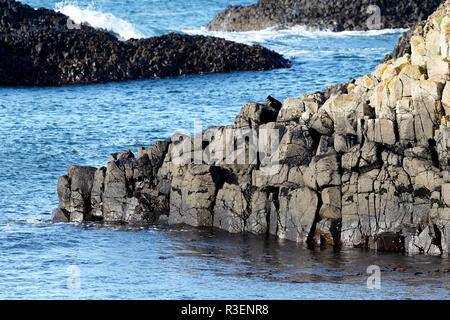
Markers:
<point>269,259</point>
<point>181,262</point>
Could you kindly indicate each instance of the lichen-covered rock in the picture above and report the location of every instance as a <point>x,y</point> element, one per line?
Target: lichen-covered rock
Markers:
<point>362,164</point>
<point>291,110</point>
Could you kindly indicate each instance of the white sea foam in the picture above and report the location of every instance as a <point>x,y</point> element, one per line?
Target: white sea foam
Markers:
<point>35,221</point>
<point>98,19</point>
<point>274,33</point>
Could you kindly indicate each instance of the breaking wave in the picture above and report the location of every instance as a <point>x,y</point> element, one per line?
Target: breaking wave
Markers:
<point>99,20</point>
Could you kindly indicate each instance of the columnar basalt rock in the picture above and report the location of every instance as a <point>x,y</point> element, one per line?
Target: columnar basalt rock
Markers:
<point>363,164</point>
<point>192,196</point>
<point>335,15</point>
<point>42,48</point>
<point>74,193</point>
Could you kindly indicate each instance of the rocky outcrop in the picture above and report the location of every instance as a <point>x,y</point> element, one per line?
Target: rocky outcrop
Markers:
<point>44,48</point>
<point>335,15</point>
<point>402,47</point>
<point>362,164</point>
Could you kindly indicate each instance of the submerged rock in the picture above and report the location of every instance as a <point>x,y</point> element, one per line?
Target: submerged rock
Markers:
<point>335,15</point>
<point>362,164</point>
<point>43,48</point>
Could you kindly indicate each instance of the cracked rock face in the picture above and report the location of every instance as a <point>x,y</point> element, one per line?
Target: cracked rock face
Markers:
<point>38,48</point>
<point>363,164</point>
<point>192,196</point>
<point>335,15</point>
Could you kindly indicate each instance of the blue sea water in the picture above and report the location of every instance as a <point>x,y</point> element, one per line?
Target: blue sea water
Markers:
<point>43,130</point>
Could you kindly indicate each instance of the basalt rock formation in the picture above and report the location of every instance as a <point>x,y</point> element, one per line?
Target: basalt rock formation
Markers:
<point>403,45</point>
<point>362,164</point>
<point>335,15</point>
<point>44,48</point>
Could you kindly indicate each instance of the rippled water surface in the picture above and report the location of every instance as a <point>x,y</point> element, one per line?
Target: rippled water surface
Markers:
<point>43,130</point>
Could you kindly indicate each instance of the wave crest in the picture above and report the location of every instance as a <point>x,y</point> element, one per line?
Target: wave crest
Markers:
<point>99,20</point>
<point>273,33</point>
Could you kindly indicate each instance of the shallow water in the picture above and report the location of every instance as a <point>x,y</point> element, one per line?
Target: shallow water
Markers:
<point>45,129</point>
<point>184,263</point>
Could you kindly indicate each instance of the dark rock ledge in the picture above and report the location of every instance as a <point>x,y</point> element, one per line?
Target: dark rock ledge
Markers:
<point>362,164</point>
<point>335,15</point>
<point>37,48</point>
